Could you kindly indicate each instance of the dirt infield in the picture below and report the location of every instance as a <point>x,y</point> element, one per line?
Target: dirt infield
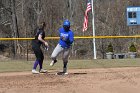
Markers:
<point>107,80</point>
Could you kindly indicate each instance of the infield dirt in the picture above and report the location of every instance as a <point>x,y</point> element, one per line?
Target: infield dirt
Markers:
<point>102,80</point>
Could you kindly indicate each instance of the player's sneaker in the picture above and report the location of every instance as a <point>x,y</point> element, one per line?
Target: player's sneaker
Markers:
<point>35,72</point>
<point>43,71</point>
<point>62,73</point>
<point>53,62</point>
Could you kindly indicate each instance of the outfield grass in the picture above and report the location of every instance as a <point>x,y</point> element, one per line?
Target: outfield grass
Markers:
<point>18,65</point>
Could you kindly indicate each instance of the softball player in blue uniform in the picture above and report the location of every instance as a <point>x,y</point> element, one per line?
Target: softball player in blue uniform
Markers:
<point>36,44</point>
<point>64,45</point>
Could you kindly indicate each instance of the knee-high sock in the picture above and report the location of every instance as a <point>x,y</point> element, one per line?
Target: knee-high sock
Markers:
<point>65,64</point>
<point>35,64</point>
<point>40,64</point>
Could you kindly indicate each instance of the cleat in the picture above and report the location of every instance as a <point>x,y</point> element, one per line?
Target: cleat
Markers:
<point>35,72</point>
<point>43,71</point>
<point>62,73</point>
<point>53,62</point>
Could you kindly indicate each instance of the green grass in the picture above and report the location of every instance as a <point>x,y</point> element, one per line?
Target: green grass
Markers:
<point>18,65</point>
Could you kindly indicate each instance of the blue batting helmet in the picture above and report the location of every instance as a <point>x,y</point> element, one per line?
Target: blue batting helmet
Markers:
<point>66,23</point>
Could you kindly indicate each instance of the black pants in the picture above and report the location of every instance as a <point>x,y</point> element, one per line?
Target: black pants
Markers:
<point>38,53</point>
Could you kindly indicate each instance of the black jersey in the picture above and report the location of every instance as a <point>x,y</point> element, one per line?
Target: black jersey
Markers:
<point>39,32</point>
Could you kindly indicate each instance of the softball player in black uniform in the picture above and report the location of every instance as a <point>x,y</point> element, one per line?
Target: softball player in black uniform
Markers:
<point>36,44</point>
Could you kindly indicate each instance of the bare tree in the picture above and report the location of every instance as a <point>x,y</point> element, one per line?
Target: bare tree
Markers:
<point>110,19</point>
<point>38,9</point>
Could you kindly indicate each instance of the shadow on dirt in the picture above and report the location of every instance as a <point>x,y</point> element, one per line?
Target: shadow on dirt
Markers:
<point>78,73</point>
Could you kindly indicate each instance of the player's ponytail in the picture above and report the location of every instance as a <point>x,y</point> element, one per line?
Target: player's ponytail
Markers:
<point>42,25</point>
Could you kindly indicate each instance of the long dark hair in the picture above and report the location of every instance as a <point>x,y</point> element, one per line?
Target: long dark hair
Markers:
<point>42,25</point>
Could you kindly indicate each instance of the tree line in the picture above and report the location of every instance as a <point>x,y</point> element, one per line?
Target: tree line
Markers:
<point>19,18</point>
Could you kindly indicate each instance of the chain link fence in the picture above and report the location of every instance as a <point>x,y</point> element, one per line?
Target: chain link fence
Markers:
<point>81,48</point>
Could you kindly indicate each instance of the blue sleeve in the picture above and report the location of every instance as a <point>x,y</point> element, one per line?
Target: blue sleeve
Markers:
<point>71,37</point>
<point>60,30</point>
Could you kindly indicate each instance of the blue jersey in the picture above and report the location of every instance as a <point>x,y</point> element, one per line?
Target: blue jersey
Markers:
<point>66,38</point>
